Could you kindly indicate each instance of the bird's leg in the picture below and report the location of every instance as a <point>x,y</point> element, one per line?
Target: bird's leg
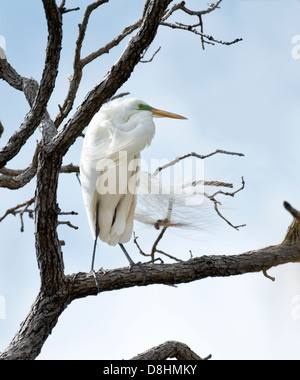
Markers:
<point>97,230</point>
<point>94,253</point>
<point>132,263</point>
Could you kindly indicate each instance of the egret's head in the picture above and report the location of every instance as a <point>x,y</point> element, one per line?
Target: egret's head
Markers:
<point>159,113</point>
<point>133,106</point>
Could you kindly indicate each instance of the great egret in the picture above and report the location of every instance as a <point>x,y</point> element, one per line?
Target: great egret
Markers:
<point>111,149</point>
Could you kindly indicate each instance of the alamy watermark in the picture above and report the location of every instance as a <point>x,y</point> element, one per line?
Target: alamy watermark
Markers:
<point>122,176</point>
<point>2,47</point>
<point>296,48</point>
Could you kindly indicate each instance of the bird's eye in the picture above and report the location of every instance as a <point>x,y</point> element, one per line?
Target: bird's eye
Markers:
<point>144,107</point>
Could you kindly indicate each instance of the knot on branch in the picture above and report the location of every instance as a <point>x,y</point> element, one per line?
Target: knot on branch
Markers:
<point>293,232</point>
<point>1,129</point>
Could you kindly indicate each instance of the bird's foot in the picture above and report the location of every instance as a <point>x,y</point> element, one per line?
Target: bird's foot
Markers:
<point>96,280</point>
<point>161,261</point>
<point>140,265</point>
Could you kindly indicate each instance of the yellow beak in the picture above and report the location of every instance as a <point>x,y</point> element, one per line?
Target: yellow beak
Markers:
<point>161,113</point>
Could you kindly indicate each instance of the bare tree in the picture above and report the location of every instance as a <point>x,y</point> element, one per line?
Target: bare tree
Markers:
<point>57,289</point>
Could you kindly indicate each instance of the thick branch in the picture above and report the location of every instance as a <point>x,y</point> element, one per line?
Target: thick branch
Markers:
<point>27,343</point>
<point>77,65</point>
<point>34,117</point>
<point>197,268</point>
<point>15,179</point>
<point>48,249</point>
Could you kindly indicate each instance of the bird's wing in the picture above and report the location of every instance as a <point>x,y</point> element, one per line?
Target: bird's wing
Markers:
<point>122,227</point>
<point>107,148</point>
<point>96,141</point>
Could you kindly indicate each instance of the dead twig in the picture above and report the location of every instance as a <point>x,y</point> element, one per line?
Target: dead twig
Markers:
<point>68,223</point>
<point>205,38</point>
<point>20,209</point>
<point>151,59</point>
<point>135,238</point>
<point>217,203</point>
<point>293,233</point>
<point>267,275</point>
<point>292,210</point>
<point>196,155</point>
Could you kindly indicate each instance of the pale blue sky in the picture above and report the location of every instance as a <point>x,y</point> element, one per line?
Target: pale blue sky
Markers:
<point>243,98</point>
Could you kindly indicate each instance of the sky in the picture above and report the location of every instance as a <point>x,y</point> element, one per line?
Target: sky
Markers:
<point>242,98</point>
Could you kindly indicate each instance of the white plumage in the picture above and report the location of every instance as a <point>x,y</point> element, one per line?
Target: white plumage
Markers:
<point>110,158</point>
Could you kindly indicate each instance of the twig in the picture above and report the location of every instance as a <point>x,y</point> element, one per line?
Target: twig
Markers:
<point>267,275</point>
<point>68,224</point>
<point>118,96</point>
<point>113,43</point>
<point>138,246</point>
<point>151,59</point>
<point>193,154</point>
<point>292,210</point>
<point>65,10</point>
<point>293,233</point>
<point>210,38</point>
<point>232,194</point>
<point>16,210</point>
<point>68,213</point>
<point>69,169</point>
<point>168,255</point>
<point>205,38</point>
<point>159,237</point>
<point>216,203</point>
<point>167,222</point>
<point>202,182</point>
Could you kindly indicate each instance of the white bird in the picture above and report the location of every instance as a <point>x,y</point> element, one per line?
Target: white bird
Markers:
<point>109,161</point>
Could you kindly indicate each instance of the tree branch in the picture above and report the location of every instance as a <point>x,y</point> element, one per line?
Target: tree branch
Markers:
<point>192,28</point>
<point>34,117</point>
<point>15,179</point>
<point>78,65</point>
<point>16,209</point>
<point>181,6</point>
<point>169,349</point>
<point>196,155</point>
<point>83,284</point>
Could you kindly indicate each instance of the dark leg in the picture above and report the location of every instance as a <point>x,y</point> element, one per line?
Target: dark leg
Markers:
<point>97,230</point>
<point>132,263</point>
